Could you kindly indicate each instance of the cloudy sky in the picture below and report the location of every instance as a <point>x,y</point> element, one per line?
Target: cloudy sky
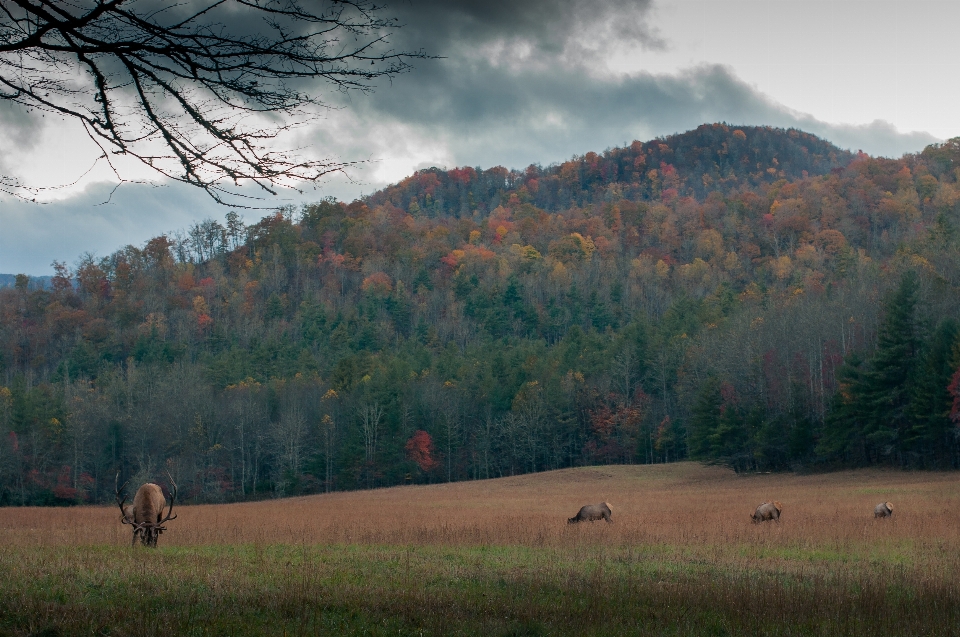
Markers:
<point>539,81</point>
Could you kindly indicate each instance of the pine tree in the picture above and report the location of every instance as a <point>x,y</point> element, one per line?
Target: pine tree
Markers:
<point>843,428</point>
<point>704,419</point>
<point>886,385</point>
<point>929,437</point>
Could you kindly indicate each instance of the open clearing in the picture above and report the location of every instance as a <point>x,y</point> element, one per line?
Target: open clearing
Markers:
<point>497,557</point>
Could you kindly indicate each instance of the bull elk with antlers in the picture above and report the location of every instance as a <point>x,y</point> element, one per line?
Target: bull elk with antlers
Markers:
<point>145,515</point>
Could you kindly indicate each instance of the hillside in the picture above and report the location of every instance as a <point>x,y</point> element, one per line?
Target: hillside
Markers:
<point>748,296</point>
<point>712,158</point>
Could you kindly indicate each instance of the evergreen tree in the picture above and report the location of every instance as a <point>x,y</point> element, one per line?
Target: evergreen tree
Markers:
<point>843,427</point>
<point>930,439</point>
<point>705,419</point>
<point>887,383</point>
<point>869,421</point>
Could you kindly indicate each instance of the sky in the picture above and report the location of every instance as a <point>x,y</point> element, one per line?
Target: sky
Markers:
<point>536,82</point>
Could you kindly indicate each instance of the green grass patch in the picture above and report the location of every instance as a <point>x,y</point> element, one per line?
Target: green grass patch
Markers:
<point>430,590</point>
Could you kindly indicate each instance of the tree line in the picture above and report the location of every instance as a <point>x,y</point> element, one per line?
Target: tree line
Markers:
<point>765,301</point>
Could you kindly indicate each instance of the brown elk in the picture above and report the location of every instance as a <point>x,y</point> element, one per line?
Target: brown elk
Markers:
<point>591,512</point>
<point>883,510</point>
<point>767,511</point>
<point>145,515</point>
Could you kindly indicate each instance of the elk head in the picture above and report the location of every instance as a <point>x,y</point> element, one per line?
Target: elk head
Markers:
<point>145,515</point>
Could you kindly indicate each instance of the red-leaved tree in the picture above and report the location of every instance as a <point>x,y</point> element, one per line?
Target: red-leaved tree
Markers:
<point>420,449</point>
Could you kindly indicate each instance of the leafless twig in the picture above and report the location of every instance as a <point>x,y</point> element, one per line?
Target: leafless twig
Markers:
<point>197,89</point>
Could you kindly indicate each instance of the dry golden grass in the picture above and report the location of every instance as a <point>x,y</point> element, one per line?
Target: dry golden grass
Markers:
<point>684,505</point>
<point>497,557</point>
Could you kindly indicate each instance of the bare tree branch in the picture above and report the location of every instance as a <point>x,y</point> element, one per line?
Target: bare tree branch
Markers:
<point>196,90</point>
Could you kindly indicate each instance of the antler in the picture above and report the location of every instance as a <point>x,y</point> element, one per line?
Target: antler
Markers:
<point>123,514</point>
<point>173,497</point>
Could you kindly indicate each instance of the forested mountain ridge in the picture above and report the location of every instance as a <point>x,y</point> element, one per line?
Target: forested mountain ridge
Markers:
<point>750,296</point>
<point>712,158</point>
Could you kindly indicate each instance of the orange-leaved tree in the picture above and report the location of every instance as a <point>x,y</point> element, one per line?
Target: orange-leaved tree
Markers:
<point>420,449</point>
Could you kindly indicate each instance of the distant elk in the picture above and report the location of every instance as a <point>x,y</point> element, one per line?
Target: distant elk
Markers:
<point>145,515</point>
<point>592,512</point>
<point>883,510</point>
<point>767,511</point>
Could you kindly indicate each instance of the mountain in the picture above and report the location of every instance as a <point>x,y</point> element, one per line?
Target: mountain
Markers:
<point>747,296</point>
<point>712,158</point>
<point>10,280</point>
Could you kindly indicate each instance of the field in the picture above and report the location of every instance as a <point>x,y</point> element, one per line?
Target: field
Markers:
<point>496,557</point>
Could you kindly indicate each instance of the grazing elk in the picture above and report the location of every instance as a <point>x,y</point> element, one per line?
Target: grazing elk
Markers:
<point>883,510</point>
<point>593,512</point>
<point>767,511</point>
<point>145,515</point>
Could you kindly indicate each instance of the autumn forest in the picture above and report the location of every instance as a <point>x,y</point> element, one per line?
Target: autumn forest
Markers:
<point>746,296</point>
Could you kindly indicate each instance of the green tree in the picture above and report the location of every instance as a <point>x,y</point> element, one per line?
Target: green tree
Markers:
<point>843,427</point>
<point>704,419</point>
<point>869,419</point>
<point>887,382</point>
<point>929,438</point>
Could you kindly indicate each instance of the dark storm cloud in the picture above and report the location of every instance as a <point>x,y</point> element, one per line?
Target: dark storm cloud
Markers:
<point>451,28</point>
<point>537,116</point>
<point>487,115</point>
<point>502,61</point>
<point>522,83</point>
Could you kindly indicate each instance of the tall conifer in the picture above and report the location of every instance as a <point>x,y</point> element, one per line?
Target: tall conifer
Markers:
<point>886,385</point>
<point>930,435</point>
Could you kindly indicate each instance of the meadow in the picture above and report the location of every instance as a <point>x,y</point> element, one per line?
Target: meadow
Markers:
<point>497,557</point>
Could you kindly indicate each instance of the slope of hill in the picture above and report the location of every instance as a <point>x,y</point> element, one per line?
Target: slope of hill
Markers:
<point>794,311</point>
<point>712,158</point>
